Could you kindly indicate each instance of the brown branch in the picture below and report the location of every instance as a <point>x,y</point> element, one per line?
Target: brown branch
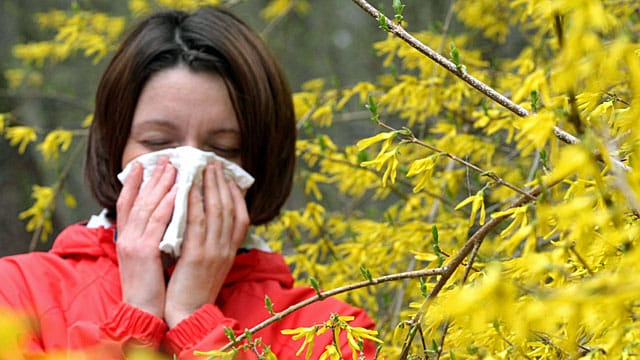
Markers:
<point>394,189</point>
<point>411,138</point>
<point>325,294</point>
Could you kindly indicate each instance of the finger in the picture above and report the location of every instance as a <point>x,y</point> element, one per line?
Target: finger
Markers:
<point>161,216</point>
<point>242,220</point>
<point>154,190</point>
<point>129,192</point>
<point>195,232</point>
<point>226,205</point>
<point>212,204</point>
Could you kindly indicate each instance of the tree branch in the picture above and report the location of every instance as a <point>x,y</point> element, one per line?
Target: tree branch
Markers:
<point>325,294</point>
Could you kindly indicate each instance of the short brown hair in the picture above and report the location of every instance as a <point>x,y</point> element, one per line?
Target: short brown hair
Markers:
<point>212,40</point>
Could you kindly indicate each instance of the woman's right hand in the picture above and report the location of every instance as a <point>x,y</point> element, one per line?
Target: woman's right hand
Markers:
<point>143,216</point>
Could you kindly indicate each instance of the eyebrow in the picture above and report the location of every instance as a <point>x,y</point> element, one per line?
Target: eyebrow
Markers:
<point>162,123</point>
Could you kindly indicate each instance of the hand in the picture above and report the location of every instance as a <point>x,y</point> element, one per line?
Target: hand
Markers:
<point>143,215</point>
<point>217,221</point>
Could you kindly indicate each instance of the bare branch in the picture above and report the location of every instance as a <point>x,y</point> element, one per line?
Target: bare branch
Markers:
<point>336,291</point>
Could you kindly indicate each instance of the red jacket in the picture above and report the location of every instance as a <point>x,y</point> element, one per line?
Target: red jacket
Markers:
<point>74,297</point>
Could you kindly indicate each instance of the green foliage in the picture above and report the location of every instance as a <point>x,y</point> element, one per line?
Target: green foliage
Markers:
<point>535,232</point>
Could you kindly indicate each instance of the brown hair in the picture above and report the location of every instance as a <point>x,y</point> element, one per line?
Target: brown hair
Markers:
<point>211,40</point>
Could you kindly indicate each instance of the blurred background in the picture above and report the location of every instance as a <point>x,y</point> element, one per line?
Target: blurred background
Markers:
<point>332,41</point>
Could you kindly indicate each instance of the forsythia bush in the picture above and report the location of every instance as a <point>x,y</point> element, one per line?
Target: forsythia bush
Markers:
<point>511,222</point>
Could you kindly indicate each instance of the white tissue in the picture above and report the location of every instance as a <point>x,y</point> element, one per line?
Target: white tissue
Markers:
<point>189,163</point>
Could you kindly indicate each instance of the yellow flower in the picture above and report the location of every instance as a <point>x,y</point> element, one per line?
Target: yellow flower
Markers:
<point>331,352</point>
<point>217,354</point>
<point>14,77</point>
<point>87,121</point>
<point>309,334</point>
<point>277,8</point>
<point>40,212</point>
<point>138,7</point>
<point>57,139</point>
<point>311,185</point>
<point>70,201</point>
<point>323,115</point>
<point>2,116</point>
<point>391,159</point>
<point>384,136</point>
<point>519,215</point>
<point>477,203</point>
<point>424,168</point>
<point>22,135</point>
<point>362,333</point>
<point>535,131</point>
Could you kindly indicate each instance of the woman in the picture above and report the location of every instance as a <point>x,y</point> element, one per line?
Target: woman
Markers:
<point>203,80</point>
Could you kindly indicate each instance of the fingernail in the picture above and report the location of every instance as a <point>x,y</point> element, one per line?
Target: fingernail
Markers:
<point>163,160</point>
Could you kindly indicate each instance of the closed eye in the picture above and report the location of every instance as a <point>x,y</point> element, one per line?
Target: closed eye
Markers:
<point>224,152</point>
<point>157,144</point>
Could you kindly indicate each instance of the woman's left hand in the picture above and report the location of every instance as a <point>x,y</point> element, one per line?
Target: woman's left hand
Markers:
<point>217,221</point>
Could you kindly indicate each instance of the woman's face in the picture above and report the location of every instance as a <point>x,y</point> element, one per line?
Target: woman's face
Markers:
<point>179,107</point>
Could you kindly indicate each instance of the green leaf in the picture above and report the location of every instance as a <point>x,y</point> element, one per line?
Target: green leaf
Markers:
<point>398,7</point>
<point>436,245</point>
<point>247,334</point>
<point>315,285</point>
<point>534,100</point>
<point>372,105</point>
<point>269,304</point>
<point>366,273</point>
<point>230,334</point>
<point>382,22</point>
<point>455,54</point>
<point>423,287</point>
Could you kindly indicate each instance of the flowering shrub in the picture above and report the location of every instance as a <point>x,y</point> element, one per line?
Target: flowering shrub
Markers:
<point>493,210</point>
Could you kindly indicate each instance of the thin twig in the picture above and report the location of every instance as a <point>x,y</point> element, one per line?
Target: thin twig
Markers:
<point>325,294</point>
<point>393,189</point>
<point>411,138</point>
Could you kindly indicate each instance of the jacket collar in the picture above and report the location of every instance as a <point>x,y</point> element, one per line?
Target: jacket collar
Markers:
<point>79,241</point>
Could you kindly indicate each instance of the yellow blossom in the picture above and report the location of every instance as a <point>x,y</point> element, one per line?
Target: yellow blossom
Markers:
<point>217,354</point>
<point>39,214</point>
<point>14,77</point>
<point>54,141</point>
<point>331,352</point>
<point>277,8</point>
<point>87,121</point>
<point>519,215</point>
<point>424,169</point>
<point>139,7</point>
<point>535,131</point>
<point>390,158</point>
<point>362,89</point>
<point>21,135</point>
<point>70,201</point>
<point>309,334</point>
<point>477,203</point>
<point>387,137</point>
<point>323,115</point>
<point>311,184</point>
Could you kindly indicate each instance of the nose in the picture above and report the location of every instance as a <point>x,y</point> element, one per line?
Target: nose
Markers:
<point>191,142</point>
